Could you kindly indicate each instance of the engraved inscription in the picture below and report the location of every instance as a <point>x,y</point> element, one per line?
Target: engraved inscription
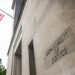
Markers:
<point>55,46</point>
<point>59,55</point>
<point>62,46</point>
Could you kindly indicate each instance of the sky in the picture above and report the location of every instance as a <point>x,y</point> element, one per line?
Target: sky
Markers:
<point>6,25</point>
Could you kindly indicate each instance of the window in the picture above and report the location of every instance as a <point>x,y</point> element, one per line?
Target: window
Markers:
<point>32,59</point>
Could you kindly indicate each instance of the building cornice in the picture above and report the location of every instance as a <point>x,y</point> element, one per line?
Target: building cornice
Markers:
<point>13,4</point>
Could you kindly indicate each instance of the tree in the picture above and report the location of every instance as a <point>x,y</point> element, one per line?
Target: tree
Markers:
<point>2,69</point>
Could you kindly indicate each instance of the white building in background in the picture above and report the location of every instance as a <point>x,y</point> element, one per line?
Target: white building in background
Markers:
<point>43,41</point>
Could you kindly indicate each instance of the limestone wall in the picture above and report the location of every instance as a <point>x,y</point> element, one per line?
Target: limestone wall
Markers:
<point>51,25</point>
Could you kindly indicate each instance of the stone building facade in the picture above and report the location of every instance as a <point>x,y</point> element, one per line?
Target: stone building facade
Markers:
<point>43,41</point>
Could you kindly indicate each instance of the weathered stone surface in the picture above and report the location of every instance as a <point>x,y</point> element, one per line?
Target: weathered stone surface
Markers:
<point>51,26</point>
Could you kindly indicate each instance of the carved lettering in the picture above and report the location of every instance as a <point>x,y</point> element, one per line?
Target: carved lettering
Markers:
<point>62,46</point>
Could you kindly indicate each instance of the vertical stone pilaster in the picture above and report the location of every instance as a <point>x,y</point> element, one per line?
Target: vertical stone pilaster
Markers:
<point>25,60</point>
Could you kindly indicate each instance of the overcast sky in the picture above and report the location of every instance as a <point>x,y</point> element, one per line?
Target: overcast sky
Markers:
<point>6,25</point>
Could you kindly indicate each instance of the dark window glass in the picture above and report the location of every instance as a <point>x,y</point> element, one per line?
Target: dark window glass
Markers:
<point>32,59</point>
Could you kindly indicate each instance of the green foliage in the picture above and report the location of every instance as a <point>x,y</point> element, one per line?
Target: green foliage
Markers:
<point>2,69</point>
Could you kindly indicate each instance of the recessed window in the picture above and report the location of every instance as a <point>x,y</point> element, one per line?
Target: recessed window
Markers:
<point>32,59</point>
